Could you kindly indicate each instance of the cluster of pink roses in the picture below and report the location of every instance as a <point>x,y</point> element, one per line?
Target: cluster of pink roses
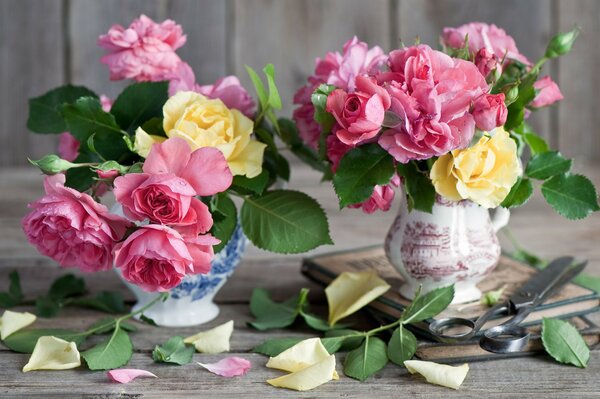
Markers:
<point>173,240</point>
<point>146,51</point>
<point>415,102</point>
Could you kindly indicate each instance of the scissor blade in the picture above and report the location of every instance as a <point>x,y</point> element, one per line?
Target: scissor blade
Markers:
<point>567,276</point>
<point>542,281</point>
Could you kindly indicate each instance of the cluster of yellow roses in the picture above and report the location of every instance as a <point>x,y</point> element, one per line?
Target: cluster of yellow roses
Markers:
<point>204,122</point>
<point>483,173</point>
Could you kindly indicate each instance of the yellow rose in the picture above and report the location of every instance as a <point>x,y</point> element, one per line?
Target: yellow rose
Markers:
<point>483,173</point>
<point>205,122</point>
<point>144,141</point>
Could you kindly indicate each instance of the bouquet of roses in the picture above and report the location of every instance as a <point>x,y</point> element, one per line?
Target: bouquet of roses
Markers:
<point>451,122</point>
<point>173,153</point>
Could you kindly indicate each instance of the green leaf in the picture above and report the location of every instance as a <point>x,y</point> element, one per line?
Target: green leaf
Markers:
<point>529,258</point>
<point>256,185</point>
<point>106,301</point>
<point>24,341</point>
<point>273,347</point>
<point>66,286</point>
<point>536,144</point>
<point>547,164</point>
<point>352,340</point>
<point>324,118</point>
<point>139,103</point>
<point>270,314</point>
<point>173,351</point>
<point>402,346</point>
<point>154,126</point>
<point>426,306</point>
<point>516,110</point>
<point>359,171</point>
<point>274,99</point>
<point>225,223</point>
<point>261,91</point>
<point>492,297</point>
<point>14,296</point>
<point>563,342</point>
<point>588,281</point>
<point>107,324</point>
<point>284,221</point>
<point>80,179</point>
<point>366,360</point>
<point>147,320</point>
<point>314,322</point>
<point>44,111</point>
<point>419,188</point>
<point>519,193</point>
<point>86,117</point>
<point>47,307</point>
<point>572,196</point>
<point>110,354</point>
<point>561,43</point>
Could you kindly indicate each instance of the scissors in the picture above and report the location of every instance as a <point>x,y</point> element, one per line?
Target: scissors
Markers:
<point>509,336</point>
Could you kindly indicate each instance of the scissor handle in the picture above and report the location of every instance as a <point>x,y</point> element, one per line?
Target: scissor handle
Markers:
<point>505,339</point>
<point>439,328</point>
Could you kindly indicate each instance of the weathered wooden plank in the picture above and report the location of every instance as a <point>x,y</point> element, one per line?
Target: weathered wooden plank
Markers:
<point>205,23</point>
<point>529,22</point>
<point>578,116</point>
<point>87,20</point>
<point>290,34</point>
<point>31,62</point>
<point>532,377</point>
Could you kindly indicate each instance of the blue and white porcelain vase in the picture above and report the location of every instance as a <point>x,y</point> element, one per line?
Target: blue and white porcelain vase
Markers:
<point>191,302</point>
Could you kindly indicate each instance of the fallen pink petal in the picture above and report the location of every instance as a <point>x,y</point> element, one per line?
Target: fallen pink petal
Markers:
<point>124,376</point>
<point>228,367</point>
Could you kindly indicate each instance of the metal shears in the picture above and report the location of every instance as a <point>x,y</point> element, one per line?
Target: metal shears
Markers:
<point>509,336</point>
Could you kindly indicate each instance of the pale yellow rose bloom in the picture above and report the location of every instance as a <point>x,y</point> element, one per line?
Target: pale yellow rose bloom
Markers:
<point>205,122</point>
<point>144,141</point>
<point>483,173</point>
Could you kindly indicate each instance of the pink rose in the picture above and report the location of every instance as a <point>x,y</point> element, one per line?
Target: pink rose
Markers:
<point>73,229</point>
<point>335,151</point>
<point>173,176</point>
<point>490,111</point>
<point>145,51</point>
<point>486,61</point>
<point>481,35</point>
<point>157,258</point>
<point>68,146</point>
<point>182,78</point>
<point>339,70</point>
<point>107,174</point>
<point>548,93</point>
<point>381,199</point>
<point>232,93</point>
<point>359,114</point>
<point>431,94</point>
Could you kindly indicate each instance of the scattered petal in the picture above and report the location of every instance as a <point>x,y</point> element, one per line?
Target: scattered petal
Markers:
<point>125,375</point>
<point>308,378</point>
<point>351,291</point>
<point>300,356</point>
<point>215,340</point>
<point>228,367</point>
<point>11,322</point>
<point>439,374</point>
<point>51,353</point>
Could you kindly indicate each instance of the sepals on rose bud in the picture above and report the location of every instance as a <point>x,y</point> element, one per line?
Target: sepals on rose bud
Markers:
<point>52,164</point>
<point>110,170</point>
<point>562,43</point>
<point>511,93</point>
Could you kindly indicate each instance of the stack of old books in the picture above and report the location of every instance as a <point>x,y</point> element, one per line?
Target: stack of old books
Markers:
<point>572,302</point>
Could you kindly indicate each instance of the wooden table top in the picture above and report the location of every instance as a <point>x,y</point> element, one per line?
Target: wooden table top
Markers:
<point>535,225</point>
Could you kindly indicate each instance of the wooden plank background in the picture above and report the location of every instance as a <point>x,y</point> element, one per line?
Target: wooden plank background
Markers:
<point>45,43</point>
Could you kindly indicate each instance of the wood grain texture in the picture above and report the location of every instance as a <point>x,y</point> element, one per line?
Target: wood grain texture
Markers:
<point>579,118</point>
<point>291,34</point>
<point>31,62</point>
<point>529,22</point>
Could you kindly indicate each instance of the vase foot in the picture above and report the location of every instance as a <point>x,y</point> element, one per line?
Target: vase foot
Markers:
<point>193,316</point>
<point>462,293</point>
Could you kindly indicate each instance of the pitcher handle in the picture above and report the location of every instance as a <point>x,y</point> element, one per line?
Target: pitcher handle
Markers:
<point>500,218</point>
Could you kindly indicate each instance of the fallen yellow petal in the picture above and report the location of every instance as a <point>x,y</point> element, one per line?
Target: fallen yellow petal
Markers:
<point>439,374</point>
<point>215,340</point>
<point>351,291</point>
<point>51,353</point>
<point>11,322</point>
<point>308,378</point>
<point>300,356</point>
